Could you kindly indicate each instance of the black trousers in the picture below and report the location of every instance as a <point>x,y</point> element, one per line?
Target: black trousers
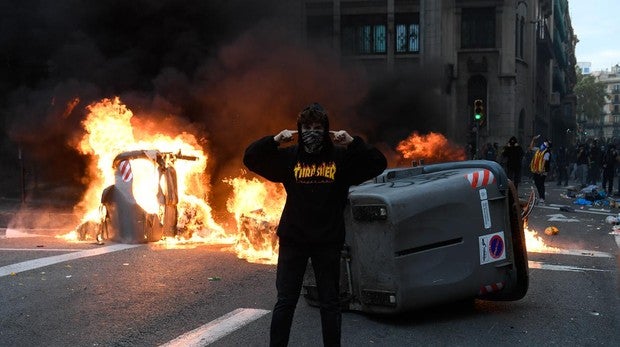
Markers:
<point>608,180</point>
<point>539,182</point>
<point>292,261</point>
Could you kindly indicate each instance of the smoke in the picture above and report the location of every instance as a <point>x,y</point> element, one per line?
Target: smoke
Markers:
<point>402,102</point>
<point>226,71</point>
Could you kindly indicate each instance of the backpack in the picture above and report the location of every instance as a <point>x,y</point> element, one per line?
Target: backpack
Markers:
<point>537,165</point>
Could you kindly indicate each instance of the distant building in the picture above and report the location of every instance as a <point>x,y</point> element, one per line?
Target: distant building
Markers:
<point>516,56</point>
<point>584,67</point>
<point>608,127</point>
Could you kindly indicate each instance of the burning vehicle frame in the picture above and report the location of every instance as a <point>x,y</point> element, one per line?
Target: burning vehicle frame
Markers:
<point>122,219</point>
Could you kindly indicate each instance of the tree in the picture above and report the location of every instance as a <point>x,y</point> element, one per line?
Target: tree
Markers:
<point>590,97</point>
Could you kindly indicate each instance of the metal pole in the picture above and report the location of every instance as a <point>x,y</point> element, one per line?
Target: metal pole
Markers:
<point>476,156</point>
<point>22,172</point>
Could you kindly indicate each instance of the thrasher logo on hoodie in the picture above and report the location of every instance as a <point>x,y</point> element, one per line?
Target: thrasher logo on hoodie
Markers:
<point>315,173</point>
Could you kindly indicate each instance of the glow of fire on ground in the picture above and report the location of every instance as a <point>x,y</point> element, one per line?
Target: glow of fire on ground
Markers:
<point>535,244</point>
<point>109,131</point>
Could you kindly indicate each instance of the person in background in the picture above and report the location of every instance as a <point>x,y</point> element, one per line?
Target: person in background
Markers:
<point>583,162</point>
<point>316,173</point>
<point>489,152</point>
<point>609,168</point>
<point>539,166</point>
<point>561,164</point>
<point>513,155</point>
<point>596,156</point>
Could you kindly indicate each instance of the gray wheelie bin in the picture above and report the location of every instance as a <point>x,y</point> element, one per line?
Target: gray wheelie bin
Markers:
<point>431,234</point>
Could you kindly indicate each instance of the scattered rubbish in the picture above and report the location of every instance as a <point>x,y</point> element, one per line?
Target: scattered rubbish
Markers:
<point>214,279</point>
<point>68,276</point>
<point>612,220</point>
<point>552,230</point>
<point>39,246</point>
<point>594,313</point>
<point>582,201</point>
<point>125,264</point>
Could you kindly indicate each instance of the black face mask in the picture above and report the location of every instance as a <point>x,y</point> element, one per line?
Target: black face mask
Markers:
<point>312,140</point>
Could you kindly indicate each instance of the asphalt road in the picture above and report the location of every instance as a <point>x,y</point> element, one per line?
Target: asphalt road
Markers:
<point>59,293</point>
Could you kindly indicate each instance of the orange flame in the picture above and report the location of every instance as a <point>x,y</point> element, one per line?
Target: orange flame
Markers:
<point>430,148</point>
<point>256,205</point>
<point>536,244</point>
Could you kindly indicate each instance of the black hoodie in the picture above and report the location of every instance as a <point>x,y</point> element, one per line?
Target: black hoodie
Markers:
<point>317,185</point>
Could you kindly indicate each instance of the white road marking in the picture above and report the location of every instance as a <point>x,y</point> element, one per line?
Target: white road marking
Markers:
<point>218,328</point>
<point>576,209</point>
<point>42,249</point>
<point>41,262</point>
<point>558,217</point>
<point>577,252</point>
<point>545,266</point>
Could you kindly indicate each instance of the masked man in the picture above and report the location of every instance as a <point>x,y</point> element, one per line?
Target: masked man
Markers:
<point>316,173</point>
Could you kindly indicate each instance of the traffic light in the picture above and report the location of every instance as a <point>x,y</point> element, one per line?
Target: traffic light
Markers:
<point>479,116</point>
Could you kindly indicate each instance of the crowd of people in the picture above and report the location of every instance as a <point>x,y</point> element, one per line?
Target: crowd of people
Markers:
<point>587,163</point>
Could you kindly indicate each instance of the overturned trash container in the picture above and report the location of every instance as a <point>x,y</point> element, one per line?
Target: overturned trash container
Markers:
<point>433,234</point>
<point>125,220</point>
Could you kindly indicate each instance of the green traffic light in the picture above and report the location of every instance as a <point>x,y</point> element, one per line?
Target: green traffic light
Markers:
<point>477,116</point>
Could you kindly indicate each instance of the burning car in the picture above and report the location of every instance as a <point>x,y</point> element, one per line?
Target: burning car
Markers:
<point>431,234</point>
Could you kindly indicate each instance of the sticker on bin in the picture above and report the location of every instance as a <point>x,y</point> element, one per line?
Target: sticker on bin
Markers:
<point>480,178</point>
<point>125,170</point>
<point>492,247</point>
<point>484,207</point>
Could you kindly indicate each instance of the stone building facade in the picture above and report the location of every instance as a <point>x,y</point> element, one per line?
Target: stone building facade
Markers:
<point>517,56</point>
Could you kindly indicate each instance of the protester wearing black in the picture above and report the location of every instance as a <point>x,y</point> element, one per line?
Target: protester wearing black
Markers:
<point>316,173</point>
<point>583,162</point>
<point>561,163</point>
<point>609,168</point>
<point>596,157</point>
<point>513,154</point>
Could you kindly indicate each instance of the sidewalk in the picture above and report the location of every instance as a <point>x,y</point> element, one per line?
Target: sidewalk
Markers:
<point>36,214</point>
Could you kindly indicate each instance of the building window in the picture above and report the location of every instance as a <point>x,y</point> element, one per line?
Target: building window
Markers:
<point>364,34</point>
<point>616,88</point>
<point>521,36</point>
<point>519,27</point>
<point>407,27</point>
<point>478,27</point>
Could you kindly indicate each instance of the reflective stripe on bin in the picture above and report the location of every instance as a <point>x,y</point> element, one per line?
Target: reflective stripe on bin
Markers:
<point>480,178</point>
<point>491,288</point>
<point>125,170</point>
